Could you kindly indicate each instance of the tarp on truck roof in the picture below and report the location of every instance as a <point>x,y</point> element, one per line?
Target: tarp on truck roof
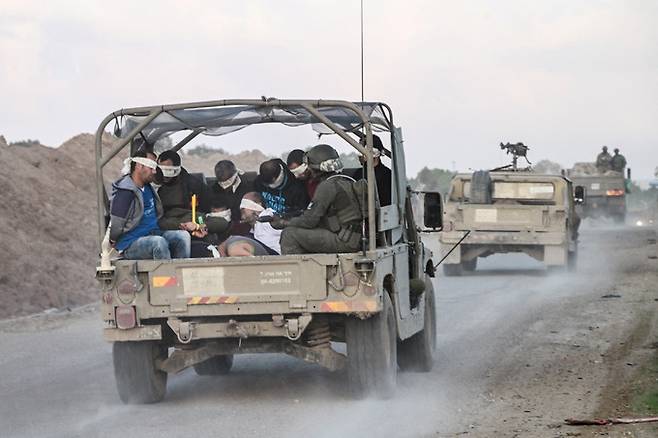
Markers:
<point>222,120</point>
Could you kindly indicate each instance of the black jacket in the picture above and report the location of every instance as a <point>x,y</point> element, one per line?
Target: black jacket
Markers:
<point>290,199</point>
<point>220,197</point>
<point>177,195</point>
<point>383,179</point>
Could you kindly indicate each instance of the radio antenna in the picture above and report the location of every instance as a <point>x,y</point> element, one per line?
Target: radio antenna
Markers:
<point>361,50</point>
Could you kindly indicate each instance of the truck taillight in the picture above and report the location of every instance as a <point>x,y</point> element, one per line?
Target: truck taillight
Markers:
<point>125,317</point>
<point>615,192</point>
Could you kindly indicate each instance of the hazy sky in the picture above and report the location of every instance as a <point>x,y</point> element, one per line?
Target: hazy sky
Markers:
<point>565,77</point>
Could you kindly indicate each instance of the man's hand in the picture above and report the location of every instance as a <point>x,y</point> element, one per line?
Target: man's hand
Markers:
<point>189,226</point>
<point>200,233</point>
<point>278,223</point>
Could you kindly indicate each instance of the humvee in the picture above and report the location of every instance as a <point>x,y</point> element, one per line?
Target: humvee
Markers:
<point>522,212</point>
<point>606,192</point>
<point>163,316</point>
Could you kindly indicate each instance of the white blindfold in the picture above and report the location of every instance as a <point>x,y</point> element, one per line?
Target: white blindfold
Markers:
<point>251,205</point>
<point>151,164</point>
<point>169,171</point>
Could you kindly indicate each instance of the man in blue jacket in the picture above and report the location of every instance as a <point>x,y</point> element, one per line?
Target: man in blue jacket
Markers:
<point>134,212</point>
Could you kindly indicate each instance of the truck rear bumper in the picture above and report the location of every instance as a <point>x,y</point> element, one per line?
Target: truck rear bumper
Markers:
<point>550,247</point>
<point>503,238</point>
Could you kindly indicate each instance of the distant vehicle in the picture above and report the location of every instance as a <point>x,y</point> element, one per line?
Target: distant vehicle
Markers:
<point>508,210</point>
<point>163,316</point>
<point>606,192</point>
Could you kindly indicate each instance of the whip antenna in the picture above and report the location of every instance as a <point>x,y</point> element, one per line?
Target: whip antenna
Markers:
<point>361,50</point>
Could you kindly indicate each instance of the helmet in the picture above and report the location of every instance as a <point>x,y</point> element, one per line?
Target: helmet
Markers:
<point>324,158</point>
<point>604,148</point>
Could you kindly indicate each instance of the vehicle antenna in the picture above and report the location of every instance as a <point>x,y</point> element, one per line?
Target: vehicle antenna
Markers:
<point>361,50</point>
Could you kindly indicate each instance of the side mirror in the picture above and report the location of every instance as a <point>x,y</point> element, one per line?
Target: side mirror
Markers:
<point>579,195</point>
<point>433,211</point>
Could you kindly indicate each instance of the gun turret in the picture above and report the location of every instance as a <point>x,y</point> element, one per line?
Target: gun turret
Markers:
<point>517,150</point>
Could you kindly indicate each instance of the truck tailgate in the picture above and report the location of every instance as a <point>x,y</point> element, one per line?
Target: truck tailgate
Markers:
<point>505,217</point>
<point>237,280</point>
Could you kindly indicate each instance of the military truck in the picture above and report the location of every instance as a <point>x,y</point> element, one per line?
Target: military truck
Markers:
<point>496,212</point>
<point>606,192</point>
<point>163,316</point>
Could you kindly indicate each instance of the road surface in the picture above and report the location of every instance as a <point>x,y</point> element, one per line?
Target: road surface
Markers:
<point>519,351</point>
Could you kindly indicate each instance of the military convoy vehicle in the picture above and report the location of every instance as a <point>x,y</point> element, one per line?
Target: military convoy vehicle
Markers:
<point>509,210</point>
<point>163,316</point>
<point>606,192</point>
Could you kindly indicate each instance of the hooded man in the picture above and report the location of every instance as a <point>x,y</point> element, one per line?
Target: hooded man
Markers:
<point>300,171</point>
<point>176,192</point>
<point>134,212</point>
<point>281,191</point>
<point>231,186</point>
<point>255,214</point>
<point>382,173</point>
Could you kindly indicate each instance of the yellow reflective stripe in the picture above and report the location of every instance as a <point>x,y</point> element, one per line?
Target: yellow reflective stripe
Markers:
<point>164,281</point>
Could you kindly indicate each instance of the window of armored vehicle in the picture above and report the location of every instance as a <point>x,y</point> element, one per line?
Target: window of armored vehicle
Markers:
<point>523,190</point>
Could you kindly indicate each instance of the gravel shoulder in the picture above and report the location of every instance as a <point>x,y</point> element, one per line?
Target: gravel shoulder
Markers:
<point>578,358</point>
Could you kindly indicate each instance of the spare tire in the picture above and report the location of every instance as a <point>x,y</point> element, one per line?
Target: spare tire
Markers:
<point>480,187</point>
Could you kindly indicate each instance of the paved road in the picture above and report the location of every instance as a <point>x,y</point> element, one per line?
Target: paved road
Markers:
<point>57,377</point>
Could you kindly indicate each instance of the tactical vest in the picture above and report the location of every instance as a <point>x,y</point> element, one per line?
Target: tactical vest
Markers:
<point>345,212</point>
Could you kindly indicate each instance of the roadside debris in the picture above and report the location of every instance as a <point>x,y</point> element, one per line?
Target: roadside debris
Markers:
<point>608,421</point>
<point>611,296</point>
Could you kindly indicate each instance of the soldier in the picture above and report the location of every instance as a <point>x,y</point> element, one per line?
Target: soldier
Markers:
<point>618,161</point>
<point>332,221</point>
<point>603,160</point>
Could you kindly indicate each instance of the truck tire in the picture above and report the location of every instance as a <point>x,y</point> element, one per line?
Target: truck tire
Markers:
<point>215,366</point>
<point>453,270</point>
<point>470,265</point>
<point>372,353</point>
<point>418,352</point>
<point>137,378</point>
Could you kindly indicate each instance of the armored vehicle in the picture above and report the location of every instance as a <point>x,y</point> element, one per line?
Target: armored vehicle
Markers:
<point>163,316</point>
<point>606,192</point>
<point>494,212</point>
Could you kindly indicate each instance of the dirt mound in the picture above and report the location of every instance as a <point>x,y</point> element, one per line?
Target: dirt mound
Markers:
<point>48,221</point>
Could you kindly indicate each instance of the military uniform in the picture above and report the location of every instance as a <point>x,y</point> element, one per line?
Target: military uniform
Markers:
<point>618,162</point>
<point>603,161</point>
<point>330,224</point>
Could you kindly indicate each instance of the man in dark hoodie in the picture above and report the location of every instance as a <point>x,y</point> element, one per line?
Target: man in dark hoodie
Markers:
<point>281,191</point>
<point>232,184</point>
<point>176,192</point>
<point>134,212</point>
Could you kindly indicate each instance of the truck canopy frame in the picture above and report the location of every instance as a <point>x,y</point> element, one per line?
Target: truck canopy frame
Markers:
<point>222,117</point>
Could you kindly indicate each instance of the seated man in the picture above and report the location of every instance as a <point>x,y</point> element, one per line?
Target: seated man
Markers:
<point>176,192</point>
<point>135,209</point>
<point>300,170</point>
<point>231,186</point>
<point>332,222</point>
<point>281,191</point>
<point>255,214</point>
